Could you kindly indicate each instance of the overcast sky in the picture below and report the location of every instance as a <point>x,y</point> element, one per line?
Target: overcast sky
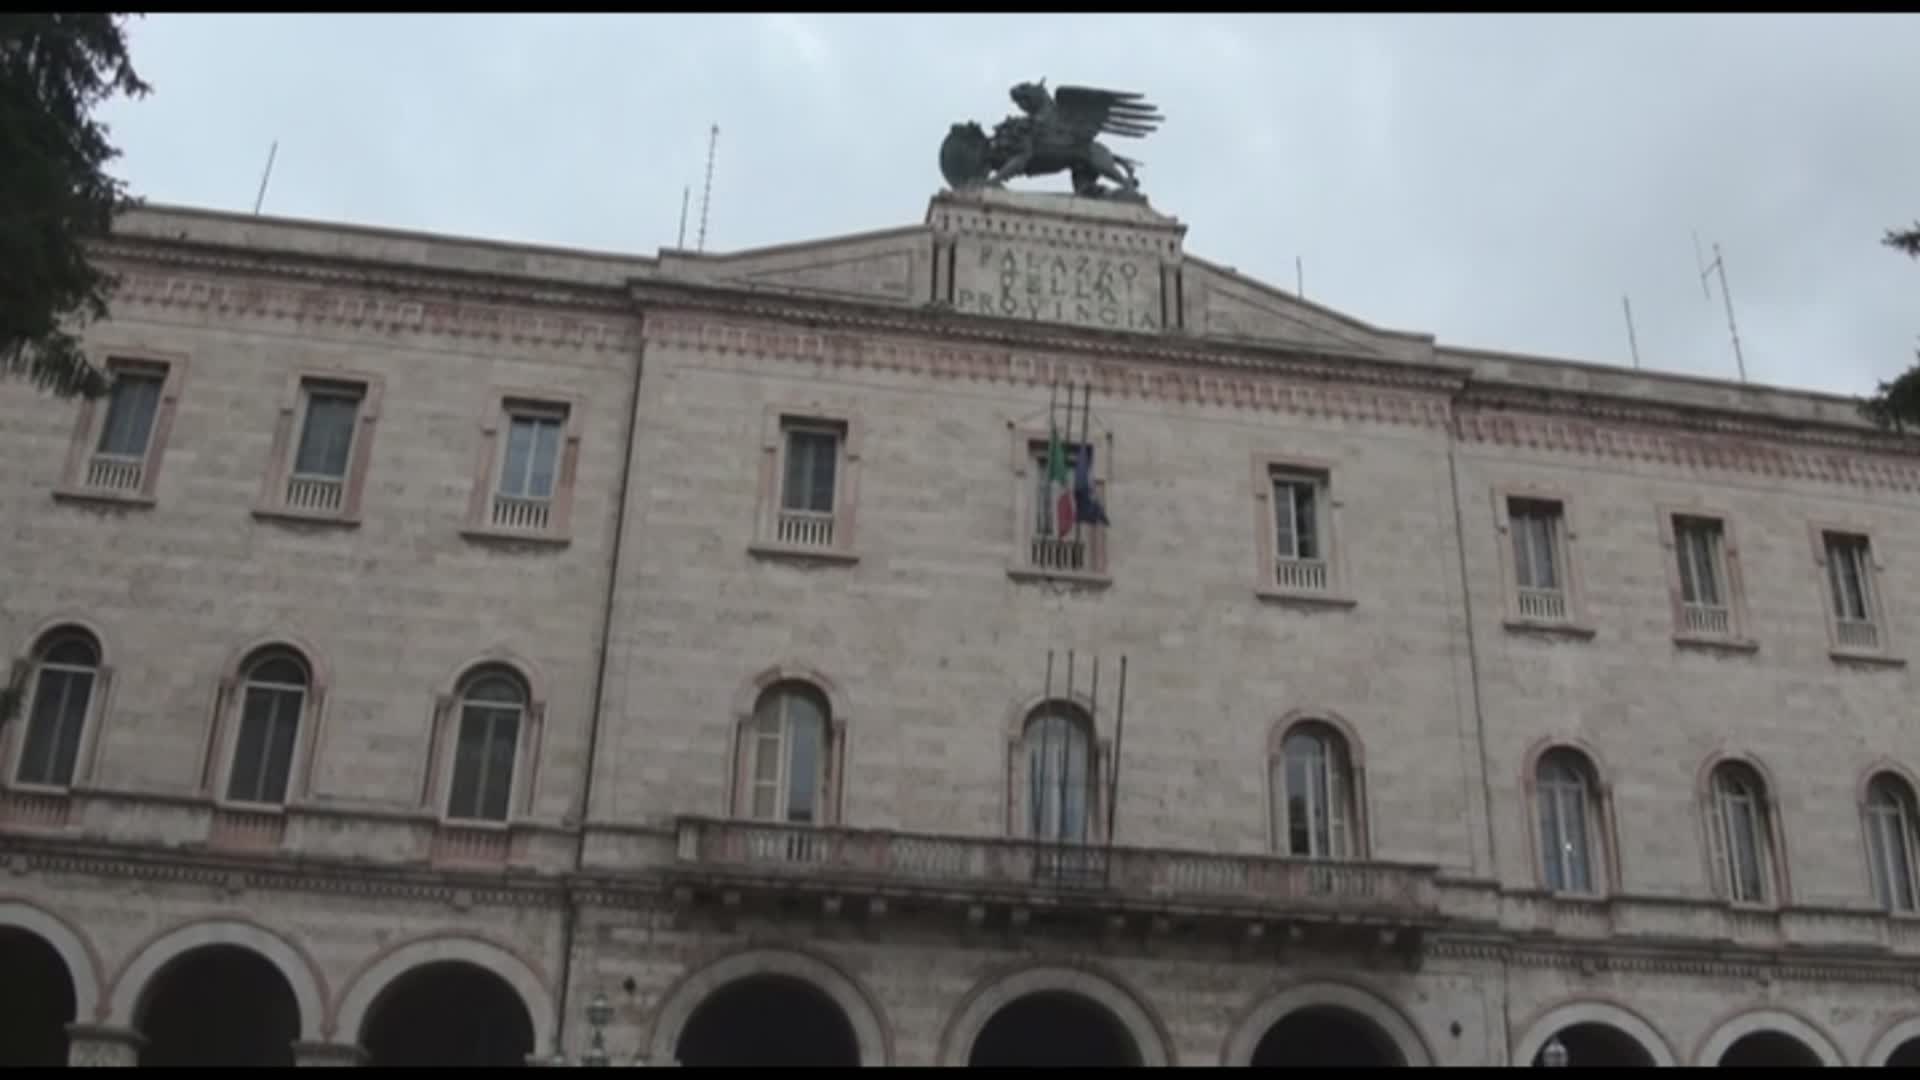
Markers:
<point>1499,181</point>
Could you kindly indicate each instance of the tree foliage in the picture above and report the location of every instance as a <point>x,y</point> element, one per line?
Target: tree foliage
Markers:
<point>1896,404</point>
<point>56,199</point>
<point>55,196</point>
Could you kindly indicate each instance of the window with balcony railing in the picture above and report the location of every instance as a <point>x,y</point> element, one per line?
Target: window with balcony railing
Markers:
<point>1299,536</point>
<point>1060,538</point>
<point>1851,587</point>
<point>1706,607</point>
<point>809,479</point>
<point>119,459</point>
<point>529,471</point>
<point>1538,529</point>
<point>317,483</point>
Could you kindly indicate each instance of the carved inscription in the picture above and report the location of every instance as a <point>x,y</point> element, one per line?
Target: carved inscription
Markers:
<point>1047,284</point>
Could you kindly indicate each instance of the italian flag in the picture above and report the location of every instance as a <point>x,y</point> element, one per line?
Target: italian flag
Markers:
<point>1059,483</point>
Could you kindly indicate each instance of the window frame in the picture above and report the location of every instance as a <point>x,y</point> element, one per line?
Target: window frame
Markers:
<point>1733,579</point>
<point>1018,808</point>
<point>503,406</point>
<point>776,420</point>
<point>443,745</point>
<point>1604,868</point>
<point>1027,446</point>
<point>25,677</point>
<point>743,709</point>
<point>1267,469</point>
<point>91,420</point>
<point>1776,877</point>
<point>290,426</point>
<point>746,750</point>
<point>1894,774</point>
<point>1359,819</point>
<point>1875,587</point>
<point>222,740</point>
<point>1576,623</point>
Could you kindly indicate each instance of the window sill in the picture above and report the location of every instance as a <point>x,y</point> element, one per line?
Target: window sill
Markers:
<point>1716,644</point>
<point>1545,628</point>
<point>1077,578</point>
<point>1304,599</point>
<point>488,535</point>
<point>128,500</point>
<point>285,516</point>
<point>1866,659</point>
<point>762,549</point>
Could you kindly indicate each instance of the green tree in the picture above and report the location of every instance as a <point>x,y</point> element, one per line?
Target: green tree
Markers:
<point>1896,404</point>
<point>56,199</point>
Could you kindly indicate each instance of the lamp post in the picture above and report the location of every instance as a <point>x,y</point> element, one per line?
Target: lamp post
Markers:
<point>1554,1056</point>
<point>599,1012</point>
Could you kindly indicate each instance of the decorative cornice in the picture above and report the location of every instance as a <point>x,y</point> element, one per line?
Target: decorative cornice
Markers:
<point>177,275</point>
<point>1693,959</point>
<point>1321,386</point>
<point>1686,437</point>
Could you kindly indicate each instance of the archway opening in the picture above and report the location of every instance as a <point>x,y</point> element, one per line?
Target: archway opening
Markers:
<point>36,1001</point>
<point>1053,1029</point>
<point>448,1013</point>
<point>1598,1045</point>
<point>1769,1049</point>
<point>1326,1036</point>
<point>1905,1056</point>
<point>218,1006</point>
<point>768,1020</point>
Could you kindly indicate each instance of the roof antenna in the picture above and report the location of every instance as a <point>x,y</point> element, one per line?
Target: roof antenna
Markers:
<point>685,192</point>
<point>1632,341</point>
<point>1719,265</point>
<point>706,193</point>
<point>1299,279</point>
<point>264,177</point>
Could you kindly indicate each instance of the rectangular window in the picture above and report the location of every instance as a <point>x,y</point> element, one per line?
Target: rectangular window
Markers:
<point>1700,547</point>
<point>531,463</point>
<point>1850,584</point>
<point>1538,527</point>
<point>809,480</point>
<point>317,482</point>
<point>483,763</point>
<point>1060,539</point>
<point>132,405</point>
<point>1299,538</point>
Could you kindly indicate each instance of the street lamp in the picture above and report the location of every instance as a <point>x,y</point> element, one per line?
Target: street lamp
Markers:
<point>1555,1054</point>
<point>599,1012</point>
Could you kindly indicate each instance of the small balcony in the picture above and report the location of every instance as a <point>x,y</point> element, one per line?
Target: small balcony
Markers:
<point>740,857</point>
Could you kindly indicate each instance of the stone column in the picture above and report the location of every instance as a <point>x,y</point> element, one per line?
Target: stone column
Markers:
<point>319,1054</point>
<point>96,1046</point>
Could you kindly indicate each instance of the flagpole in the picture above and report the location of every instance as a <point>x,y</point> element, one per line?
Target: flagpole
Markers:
<point>1093,746</point>
<point>1066,758</point>
<point>1046,755</point>
<point>1084,447</point>
<point>1119,739</point>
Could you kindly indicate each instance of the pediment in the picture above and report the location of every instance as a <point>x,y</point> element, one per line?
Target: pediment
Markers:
<point>889,267</point>
<point>1227,306</point>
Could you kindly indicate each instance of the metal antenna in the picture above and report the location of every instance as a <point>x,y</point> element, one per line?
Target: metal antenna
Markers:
<point>1719,266</point>
<point>685,193</point>
<point>706,193</point>
<point>1299,279</point>
<point>1632,341</point>
<point>261,197</point>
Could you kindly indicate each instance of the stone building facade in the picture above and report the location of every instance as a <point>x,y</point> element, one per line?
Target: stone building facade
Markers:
<point>432,638</point>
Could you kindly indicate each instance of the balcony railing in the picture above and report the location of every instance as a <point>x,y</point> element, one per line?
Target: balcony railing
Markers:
<point>1857,634</point>
<point>1711,620</point>
<point>520,512</point>
<point>986,865</point>
<point>1300,575</point>
<point>1059,553</point>
<point>1545,605</point>
<point>115,472</point>
<point>315,494</point>
<point>804,528</point>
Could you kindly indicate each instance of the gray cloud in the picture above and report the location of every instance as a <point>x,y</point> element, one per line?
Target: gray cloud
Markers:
<point>1497,181</point>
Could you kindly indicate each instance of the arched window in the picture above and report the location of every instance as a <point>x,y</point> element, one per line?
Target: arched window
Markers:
<point>1740,834</point>
<point>1569,822</point>
<point>1891,834</point>
<point>1313,794</point>
<point>786,756</point>
<point>274,690</point>
<point>492,704</point>
<point>1058,751</point>
<point>66,673</point>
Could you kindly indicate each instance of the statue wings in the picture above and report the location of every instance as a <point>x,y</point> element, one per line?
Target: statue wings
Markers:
<point>1090,112</point>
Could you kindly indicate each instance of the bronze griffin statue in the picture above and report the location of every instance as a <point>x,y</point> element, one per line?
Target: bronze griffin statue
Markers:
<point>1054,132</point>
